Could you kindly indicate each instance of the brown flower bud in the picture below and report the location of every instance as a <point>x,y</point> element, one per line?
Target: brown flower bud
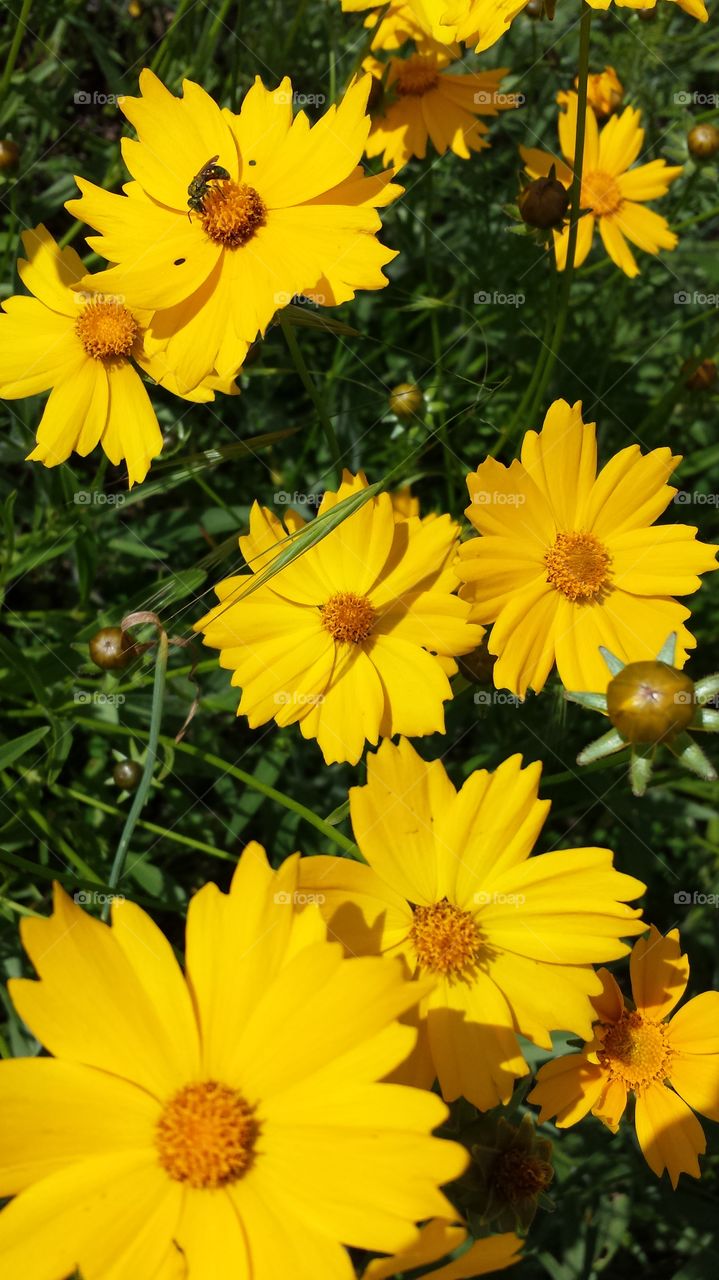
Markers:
<point>700,374</point>
<point>703,141</point>
<point>406,400</point>
<point>650,702</point>
<point>127,775</point>
<point>9,154</point>
<point>544,203</point>
<point>111,648</point>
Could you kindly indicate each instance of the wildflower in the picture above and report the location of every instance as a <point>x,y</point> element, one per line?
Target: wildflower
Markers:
<point>226,1122</point>
<point>671,1066</point>
<point>613,194</point>
<point>570,560</point>
<point>439,1238</point>
<point>604,92</point>
<point>450,887</point>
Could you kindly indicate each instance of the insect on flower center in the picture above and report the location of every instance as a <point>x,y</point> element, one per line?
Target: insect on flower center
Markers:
<point>348,617</point>
<point>578,566</point>
<point>206,1135</point>
<point>107,330</point>
<point>445,938</point>
<point>636,1052</point>
<point>416,77</point>
<point>232,213</point>
<point>600,193</point>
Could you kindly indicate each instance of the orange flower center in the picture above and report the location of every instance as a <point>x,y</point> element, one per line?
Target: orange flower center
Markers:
<point>417,76</point>
<point>636,1052</point>
<point>232,213</point>
<point>446,939</point>
<point>600,193</point>
<point>348,617</point>
<point>578,566</point>
<point>206,1135</point>
<point>107,330</point>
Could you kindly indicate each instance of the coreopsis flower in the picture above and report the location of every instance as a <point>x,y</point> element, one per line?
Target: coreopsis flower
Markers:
<point>226,1122</point>
<point>481,23</point>
<point>83,347</point>
<point>613,194</point>
<point>669,1065</point>
<point>695,8</point>
<point>287,210</point>
<point>604,92</point>
<point>426,101</point>
<point>450,887</point>
<point>439,1238</point>
<point>570,560</point>
<point>354,639</point>
<point>402,20</point>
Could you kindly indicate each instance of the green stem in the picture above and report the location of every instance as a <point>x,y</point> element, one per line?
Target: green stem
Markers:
<point>14,47</point>
<point>520,414</point>
<point>314,395</point>
<point>158,695</point>
<point>563,306</point>
<point>437,346</point>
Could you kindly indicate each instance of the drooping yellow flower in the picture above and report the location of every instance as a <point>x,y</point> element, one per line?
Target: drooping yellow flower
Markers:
<point>696,8</point>
<point>296,216</point>
<point>570,560</point>
<point>81,346</point>
<point>226,1123</point>
<point>481,23</point>
<point>436,1240</point>
<point>613,193</point>
<point>605,92</point>
<point>428,102</point>
<point>637,1049</point>
<point>356,638</point>
<point>450,887</point>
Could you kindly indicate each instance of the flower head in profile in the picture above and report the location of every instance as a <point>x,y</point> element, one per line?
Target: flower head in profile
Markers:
<point>695,8</point>
<point>419,20</point>
<point>355,638</point>
<point>228,1122</point>
<point>669,1065</point>
<point>481,23</point>
<point>614,195</point>
<point>436,1240</point>
<point>450,886</point>
<point>605,92</point>
<point>82,346</point>
<point>570,560</point>
<point>426,101</point>
<point>288,211</point>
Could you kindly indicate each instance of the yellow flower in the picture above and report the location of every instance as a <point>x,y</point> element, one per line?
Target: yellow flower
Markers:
<point>481,22</point>
<point>695,8</point>
<point>296,216</point>
<point>450,887</point>
<point>570,560</point>
<point>428,102</point>
<point>356,638</point>
<point>81,345</point>
<point>439,1238</point>
<point>604,92</point>
<point>418,20</point>
<point>226,1123</point>
<point>637,1049</point>
<point>613,193</point>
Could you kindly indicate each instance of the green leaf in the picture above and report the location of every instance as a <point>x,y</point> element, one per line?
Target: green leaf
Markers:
<point>12,751</point>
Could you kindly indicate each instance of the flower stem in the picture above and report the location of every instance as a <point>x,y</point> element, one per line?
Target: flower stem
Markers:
<point>158,697</point>
<point>576,194</point>
<point>14,49</point>
<point>313,393</point>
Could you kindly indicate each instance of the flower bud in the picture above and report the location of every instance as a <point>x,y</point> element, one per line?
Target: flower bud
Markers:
<point>406,400</point>
<point>9,154</point>
<point>477,666</point>
<point>650,702</point>
<point>534,8</point>
<point>510,1173</point>
<point>605,92</point>
<point>703,141</point>
<point>111,648</point>
<point>127,775</point>
<point>700,374</point>
<point>544,203</point>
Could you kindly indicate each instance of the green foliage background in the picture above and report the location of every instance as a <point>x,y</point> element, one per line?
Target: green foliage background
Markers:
<point>70,566</point>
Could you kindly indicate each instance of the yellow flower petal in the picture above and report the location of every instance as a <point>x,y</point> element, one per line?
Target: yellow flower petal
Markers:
<point>670,1136</point>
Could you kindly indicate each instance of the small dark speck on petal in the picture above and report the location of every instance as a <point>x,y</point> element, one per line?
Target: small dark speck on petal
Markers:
<point>179,261</point>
